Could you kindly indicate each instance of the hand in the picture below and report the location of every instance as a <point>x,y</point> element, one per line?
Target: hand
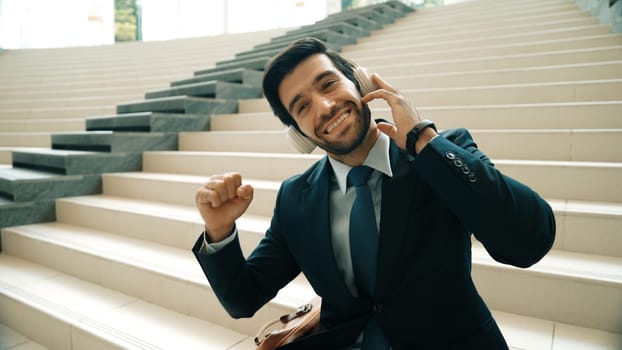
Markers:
<point>404,113</point>
<point>221,201</point>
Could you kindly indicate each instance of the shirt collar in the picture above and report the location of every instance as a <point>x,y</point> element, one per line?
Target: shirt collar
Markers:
<point>378,159</point>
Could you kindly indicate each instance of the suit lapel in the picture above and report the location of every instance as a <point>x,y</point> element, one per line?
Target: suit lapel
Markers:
<point>397,201</point>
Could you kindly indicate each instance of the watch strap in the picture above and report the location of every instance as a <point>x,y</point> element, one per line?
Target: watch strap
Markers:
<point>413,135</point>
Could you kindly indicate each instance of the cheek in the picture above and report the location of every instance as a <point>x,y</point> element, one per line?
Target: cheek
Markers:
<point>305,127</point>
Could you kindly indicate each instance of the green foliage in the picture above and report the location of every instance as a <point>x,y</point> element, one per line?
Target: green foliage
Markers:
<point>125,20</point>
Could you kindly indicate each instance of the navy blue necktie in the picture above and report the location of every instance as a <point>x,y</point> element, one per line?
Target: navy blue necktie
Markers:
<point>363,232</point>
<point>364,250</point>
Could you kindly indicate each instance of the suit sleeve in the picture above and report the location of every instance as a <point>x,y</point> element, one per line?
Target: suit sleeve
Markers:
<point>515,225</point>
<point>245,285</point>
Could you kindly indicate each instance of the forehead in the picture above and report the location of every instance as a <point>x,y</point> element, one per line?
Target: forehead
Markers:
<point>303,75</point>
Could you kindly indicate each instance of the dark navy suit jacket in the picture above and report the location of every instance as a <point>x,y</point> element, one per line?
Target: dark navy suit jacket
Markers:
<point>425,297</point>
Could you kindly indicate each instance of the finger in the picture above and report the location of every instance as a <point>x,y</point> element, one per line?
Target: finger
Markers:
<point>208,196</point>
<point>213,191</point>
<point>380,93</point>
<point>219,188</point>
<point>381,83</point>
<point>232,181</point>
<point>388,129</point>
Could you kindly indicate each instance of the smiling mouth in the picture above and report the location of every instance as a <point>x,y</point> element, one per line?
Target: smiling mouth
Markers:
<point>336,123</point>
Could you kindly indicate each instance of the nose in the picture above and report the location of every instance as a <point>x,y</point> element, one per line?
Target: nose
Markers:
<point>324,105</point>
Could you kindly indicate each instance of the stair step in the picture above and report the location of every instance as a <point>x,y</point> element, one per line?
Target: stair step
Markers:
<point>279,166</point>
<point>520,60</point>
<point>33,293</point>
<point>59,102</point>
<point>179,104</point>
<point>180,189</point>
<point>358,19</point>
<point>442,40</point>
<point>263,52</point>
<point>573,115</point>
<point>464,18</point>
<point>538,175</point>
<point>341,27</point>
<point>149,122</point>
<point>168,224</point>
<point>25,185</point>
<point>580,115</point>
<point>542,144</point>
<point>69,162</point>
<point>264,166</point>
<point>256,63</point>
<point>112,261</point>
<point>25,139</point>
<point>529,333</point>
<point>72,313</point>
<point>601,275</point>
<point>25,212</point>
<point>574,218</point>
<point>213,89</point>
<point>239,75</point>
<point>110,141</point>
<point>236,141</point>
<point>430,54</point>
<point>27,196</point>
<point>41,125</point>
<point>55,112</point>
<point>547,92</point>
<point>514,33</point>
<point>6,154</point>
<point>76,90</point>
<point>373,15</point>
<point>332,38</point>
<point>10,339</point>
<point>558,285</point>
<point>514,76</point>
<point>472,28</point>
<point>269,49</point>
<point>521,115</point>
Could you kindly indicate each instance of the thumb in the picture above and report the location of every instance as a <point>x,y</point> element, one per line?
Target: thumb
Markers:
<point>245,193</point>
<point>388,129</point>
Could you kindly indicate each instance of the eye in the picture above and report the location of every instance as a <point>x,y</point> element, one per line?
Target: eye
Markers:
<point>301,107</point>
<point>328,83</point>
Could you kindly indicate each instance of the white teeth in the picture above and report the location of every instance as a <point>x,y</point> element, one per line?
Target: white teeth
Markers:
<point>337,122</point>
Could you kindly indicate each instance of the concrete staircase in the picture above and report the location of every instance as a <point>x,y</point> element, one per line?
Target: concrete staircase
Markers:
<point>54,90</point>
<point>537,82</point>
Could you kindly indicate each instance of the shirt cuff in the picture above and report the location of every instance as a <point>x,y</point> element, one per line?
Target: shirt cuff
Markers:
<point>211,248</point>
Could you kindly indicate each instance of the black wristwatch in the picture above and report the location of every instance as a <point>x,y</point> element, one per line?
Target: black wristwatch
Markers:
<point>413,135</point>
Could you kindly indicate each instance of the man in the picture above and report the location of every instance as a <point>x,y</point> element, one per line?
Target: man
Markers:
<point>429,191</point>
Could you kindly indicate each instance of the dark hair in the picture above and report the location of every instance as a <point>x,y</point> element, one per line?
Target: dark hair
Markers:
<point>286,61</point>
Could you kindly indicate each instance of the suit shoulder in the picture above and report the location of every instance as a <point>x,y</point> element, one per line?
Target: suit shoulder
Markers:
<point>455,133</point>
<point>303,179</point>
<point>459,136</point>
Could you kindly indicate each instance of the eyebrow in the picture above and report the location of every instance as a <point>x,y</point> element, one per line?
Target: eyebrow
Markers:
<point>318,78</point>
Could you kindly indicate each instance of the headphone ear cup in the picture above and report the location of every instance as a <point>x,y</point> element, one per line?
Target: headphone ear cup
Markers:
<point>364,78</point>
<point>302,143</point>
